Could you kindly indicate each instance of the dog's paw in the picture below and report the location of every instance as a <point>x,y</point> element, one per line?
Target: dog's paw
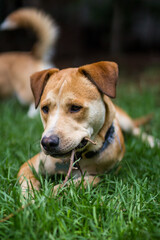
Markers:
<point>28,187</point>
<point>56,189</point>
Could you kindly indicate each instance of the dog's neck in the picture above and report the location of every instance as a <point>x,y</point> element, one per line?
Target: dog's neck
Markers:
<point>109,138</point>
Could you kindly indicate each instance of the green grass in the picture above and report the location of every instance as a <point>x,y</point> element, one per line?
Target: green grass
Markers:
<point>125,205</point>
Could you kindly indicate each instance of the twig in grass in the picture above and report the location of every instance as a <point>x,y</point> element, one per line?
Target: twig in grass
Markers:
<point>13,214</point>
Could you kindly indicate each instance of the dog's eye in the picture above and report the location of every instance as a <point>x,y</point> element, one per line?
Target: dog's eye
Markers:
<point>45,109</point>
<point>75,108</point>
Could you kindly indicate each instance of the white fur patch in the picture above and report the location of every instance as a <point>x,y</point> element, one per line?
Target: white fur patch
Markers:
<point>53,120</point>
<point>96,115</point>
<point>32,112</point>
<point>50,96</point>
<point>47,65</point>
<point>146,138</point>
<point>7,24</point>
<point>125,122</point>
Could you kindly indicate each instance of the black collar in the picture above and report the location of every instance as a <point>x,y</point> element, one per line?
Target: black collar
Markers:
<point>108,140</point>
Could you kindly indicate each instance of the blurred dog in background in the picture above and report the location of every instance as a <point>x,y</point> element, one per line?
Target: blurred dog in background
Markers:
<point>16,67</point>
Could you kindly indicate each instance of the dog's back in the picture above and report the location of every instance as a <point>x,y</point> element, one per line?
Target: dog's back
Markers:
<point>43,26</point>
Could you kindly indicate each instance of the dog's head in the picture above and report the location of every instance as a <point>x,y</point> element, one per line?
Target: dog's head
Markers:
<point>72,104</point>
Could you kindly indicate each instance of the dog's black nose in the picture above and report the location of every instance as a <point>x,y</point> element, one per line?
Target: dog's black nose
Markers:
<point>50,143</point>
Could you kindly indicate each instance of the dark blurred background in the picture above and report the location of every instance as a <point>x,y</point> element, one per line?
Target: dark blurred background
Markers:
<point>126,31</point>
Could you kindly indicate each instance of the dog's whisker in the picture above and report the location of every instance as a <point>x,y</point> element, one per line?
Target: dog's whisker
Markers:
<point>89,140</point>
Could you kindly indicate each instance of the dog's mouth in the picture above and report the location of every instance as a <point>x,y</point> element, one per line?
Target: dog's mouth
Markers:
<point>57,154</point>
<point>82,144</point>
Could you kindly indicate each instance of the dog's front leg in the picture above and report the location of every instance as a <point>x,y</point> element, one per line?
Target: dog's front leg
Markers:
<point>43,163</point>
<point>26,176</point>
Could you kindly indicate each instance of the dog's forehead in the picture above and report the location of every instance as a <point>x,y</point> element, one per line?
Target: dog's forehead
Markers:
<point>69,82</point>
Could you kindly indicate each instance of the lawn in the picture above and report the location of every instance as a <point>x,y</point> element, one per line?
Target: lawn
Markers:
<point>126,203</point>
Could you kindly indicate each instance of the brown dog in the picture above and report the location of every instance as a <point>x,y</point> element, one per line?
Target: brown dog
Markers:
<point>75,104</point>
<point>15,67</point>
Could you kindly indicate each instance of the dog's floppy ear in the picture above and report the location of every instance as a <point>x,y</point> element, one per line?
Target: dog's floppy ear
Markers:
<point>104,75</point>
<point>38,83</point>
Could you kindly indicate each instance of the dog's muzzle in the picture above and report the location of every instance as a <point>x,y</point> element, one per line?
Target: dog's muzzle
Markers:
<point>51,146</point>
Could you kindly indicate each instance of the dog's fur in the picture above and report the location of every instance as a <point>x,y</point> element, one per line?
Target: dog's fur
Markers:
<point>16,67</point>
<point>75,103</point>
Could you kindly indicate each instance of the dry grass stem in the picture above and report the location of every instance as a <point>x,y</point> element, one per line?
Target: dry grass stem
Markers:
<point>13,214</point>
<point>70,168</point>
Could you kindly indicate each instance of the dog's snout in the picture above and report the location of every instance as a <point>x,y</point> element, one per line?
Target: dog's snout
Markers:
<point>50,143</point>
